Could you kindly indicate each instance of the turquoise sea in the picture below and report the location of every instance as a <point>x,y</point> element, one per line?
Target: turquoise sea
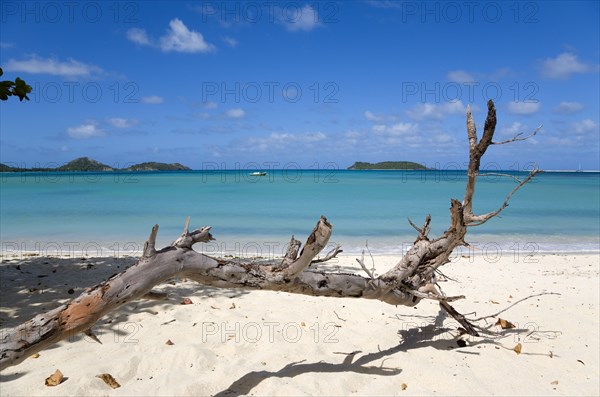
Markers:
<point>110,213</point>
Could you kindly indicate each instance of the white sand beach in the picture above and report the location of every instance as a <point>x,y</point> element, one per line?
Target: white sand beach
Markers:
<point>262,343</point>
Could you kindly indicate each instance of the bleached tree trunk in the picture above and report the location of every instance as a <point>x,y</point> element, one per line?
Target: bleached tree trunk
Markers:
<point>411,280</point>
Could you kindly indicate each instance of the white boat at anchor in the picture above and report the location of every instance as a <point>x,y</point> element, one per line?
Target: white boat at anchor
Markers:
<point>258,173</point>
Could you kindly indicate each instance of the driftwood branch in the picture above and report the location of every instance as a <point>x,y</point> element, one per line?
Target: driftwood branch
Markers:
<point>493,315</point>
<point>413,278</point>
<point>424,230</point>
<point>476,220</point>
<point>502,175</point>
<point>361,262</point>
<point>330,255</point>
<point>519,137</point>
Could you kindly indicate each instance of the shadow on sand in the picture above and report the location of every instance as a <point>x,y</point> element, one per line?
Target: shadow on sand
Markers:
<point>34,285</point>
<point>434,335</point>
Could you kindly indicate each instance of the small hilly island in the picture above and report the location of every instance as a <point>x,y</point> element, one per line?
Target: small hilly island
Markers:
<point>388,165</point>
<point>85,164</point>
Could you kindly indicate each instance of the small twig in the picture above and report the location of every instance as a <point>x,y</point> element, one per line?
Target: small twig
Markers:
<point>424,230</point>
<point>488,331</point>
<point>186,226</point>
<point>517,137</point>
<point>439,298</point>
<point>500,174</point>
<point>552,334</point>
<point>337,315</point>
<point>91,334</point>
<point>417,228</point>
<point>517,302</point>
<point>469,328</point>
<point>330,255</point>
<point>445,276</point>
<point>371,255</point>
<point>362,264</point>
<point>476,220</point>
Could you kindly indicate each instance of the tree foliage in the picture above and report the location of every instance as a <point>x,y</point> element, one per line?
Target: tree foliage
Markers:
<point>17,88</point>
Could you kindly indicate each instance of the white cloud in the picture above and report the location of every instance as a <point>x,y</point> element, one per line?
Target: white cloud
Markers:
<point>210,105</point>
<point>178,39</point>
<point>5,45</point>
<point>379,118</point>
<point>309,137</point>
<point>436,111</point>
<point>402,135</point>
<point>584,126</point>
<point>83,131</point>
<point>373,117</point>
<point>352,134</point>
<point>443,138</point>
<point>298,19</point>
<point>460,76</point>
<point>280,141</point>
<point>523,108</point>
<point>563,66</point>
<point>395,129</point>
<point>314,137</point>
<point>138,36</point>
<point>235,113</point>
<point>37,65</point>
<point>152,100</point>
<point>568,107</point>
<point>230,41</point>
<point>500,73</point>
<point>119,122</point>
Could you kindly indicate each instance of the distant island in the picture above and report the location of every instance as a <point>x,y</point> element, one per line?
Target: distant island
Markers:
<point>154,166</point>
<point>387,165</point>
<point>83,164</point>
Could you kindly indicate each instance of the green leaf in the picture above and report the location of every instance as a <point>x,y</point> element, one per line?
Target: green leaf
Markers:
<point>18,88</point>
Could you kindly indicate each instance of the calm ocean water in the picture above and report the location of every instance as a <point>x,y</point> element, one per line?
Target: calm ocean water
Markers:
<point>109,213</point>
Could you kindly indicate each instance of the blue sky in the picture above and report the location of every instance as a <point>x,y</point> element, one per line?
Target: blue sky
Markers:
<point>223,84</point>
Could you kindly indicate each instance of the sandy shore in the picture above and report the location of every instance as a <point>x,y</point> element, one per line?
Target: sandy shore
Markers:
<point>232,342</point>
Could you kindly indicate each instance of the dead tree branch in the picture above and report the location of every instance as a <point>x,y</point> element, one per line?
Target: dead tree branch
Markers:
<point>518,137</point>
<point>413,278</point>
<point>330,255</point>
<point>476,220</point>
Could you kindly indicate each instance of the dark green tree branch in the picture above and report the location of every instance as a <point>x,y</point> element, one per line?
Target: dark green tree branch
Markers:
<point>17,88</point>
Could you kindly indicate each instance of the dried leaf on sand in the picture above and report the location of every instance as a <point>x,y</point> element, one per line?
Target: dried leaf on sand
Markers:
<point>517,348</point>
<point>504,324</point>
<point>109,380</point>
<point>55,379</point>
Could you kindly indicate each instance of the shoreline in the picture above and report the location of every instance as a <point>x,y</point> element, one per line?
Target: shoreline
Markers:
<point>272,247</point>
<point>9,256</point>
